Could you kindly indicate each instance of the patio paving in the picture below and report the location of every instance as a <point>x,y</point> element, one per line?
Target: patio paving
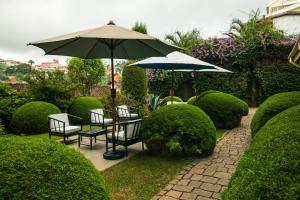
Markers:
<point>208,177</point>
<point>95,155</point>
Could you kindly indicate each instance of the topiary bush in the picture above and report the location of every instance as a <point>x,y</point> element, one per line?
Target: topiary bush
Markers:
<point>33,168</point>
<point>134,82</point>
<point>179,129</point>
<point>192,100</point>
<point>169,98</point>
<point>225,110</point>
<point>270,167</point>
<point>32,118</point>
<point>272,106</point>
<point>81,105</point>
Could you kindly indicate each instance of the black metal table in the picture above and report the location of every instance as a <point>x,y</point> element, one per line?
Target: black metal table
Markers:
<point>92,133</point>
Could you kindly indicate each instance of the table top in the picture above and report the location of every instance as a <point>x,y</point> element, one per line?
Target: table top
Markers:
<point>93,131</point>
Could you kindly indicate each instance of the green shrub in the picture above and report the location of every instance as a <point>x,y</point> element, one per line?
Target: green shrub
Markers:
<point>1,128</point>
<point>32,118</point>
<point>169,98</point>
<point>270,168</point>
<point>33,168</point>
<point>272,106</point>
<point>192,100</point>
<point>80,107</point>
<point>134,82</point>
<point>225,110</point>
<point>179,129</point>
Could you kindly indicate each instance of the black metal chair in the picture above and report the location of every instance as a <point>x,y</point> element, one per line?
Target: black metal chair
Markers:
<point>126,113</point>
<point>97,118</point>
<point>59,125</point>
<point>128,133</point>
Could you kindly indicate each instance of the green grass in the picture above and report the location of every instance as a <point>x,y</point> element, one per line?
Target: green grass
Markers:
<point>142,176</point>
<point>220,133</point>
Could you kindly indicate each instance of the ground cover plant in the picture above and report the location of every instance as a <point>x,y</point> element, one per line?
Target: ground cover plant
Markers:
<point>270,167</point>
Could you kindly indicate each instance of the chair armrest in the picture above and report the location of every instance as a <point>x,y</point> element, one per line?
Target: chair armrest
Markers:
<point>77,118</point>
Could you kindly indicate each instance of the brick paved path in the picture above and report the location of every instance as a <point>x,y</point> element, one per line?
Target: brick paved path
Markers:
<point>206,178</point>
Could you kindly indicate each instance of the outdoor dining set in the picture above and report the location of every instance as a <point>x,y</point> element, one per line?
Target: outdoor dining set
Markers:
<point>127,128</point>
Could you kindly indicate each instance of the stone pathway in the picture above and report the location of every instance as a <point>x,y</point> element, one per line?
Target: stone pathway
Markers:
<point>207,178</point>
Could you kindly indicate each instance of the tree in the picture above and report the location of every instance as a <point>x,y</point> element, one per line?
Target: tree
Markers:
<point>140,27</point>
<point>185,40</point>
<point>30,62</point>
<point>86,73</point>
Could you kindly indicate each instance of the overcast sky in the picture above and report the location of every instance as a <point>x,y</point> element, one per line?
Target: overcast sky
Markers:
<point>24,21</point>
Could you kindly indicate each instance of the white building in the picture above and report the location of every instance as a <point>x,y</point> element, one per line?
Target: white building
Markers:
<point>285,15</point>
<point>50,66</point>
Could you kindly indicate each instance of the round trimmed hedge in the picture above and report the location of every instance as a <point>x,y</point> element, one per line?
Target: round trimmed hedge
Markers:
<point>192,100</point>
<point>180,130</point>
<point>225,110</point>
<point>32,118</point>
<point>270,167</point>
<point>81,105</point>
<point>272,106</point>
<point>34,168</point>
<point>169,98</point>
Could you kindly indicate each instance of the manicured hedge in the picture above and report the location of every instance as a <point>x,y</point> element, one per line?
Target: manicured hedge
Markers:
<point>225,110</point>
<point>272,106</point>
<point>270,167</point>
<point>81,105</point>
<point>169,98</point>
<point>33,168</point>
<point>134,82</point>
<point>32,118</point>
<point>179,129</point>
<point>192,100</point>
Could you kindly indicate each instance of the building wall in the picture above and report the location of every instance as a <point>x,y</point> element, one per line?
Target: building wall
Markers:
<point>290,24</point>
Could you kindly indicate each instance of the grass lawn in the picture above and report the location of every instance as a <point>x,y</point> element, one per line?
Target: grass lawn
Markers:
<point>220,133</point>
<point>142,176</point>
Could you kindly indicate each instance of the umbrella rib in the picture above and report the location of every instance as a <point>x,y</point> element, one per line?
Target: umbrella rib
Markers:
<point>77,38</point>
<point>150,47</point>
<point>93,47</point>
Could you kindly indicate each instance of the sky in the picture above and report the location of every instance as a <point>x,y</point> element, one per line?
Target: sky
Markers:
<point>24,21</point>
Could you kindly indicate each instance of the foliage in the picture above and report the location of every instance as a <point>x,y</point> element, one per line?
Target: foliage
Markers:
<point>270,167</point>
<point>142,176</point>
<point>10,100</point>
<point>225,110</point>
<point>134,82</point>
<point>180,130</point>
<point>53,87</point>
<point>185,40</point>
<point>153,101</point>
<point>140,27</point>
<point>80,107</point>
<point>271,107</point>
<point>1,128</point>
<point>192,100</point>
<point>277,78</point>
<point>32,118</point>
<point>41,169</point>
<point>86,73</point>
<point>170,98</point>
<point>18,69</point>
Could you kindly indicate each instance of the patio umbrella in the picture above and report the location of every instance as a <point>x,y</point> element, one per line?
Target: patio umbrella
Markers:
<point>108,41</point>
<point>177,61</point>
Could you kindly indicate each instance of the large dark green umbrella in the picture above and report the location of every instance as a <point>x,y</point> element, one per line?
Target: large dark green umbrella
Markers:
<point>108,41</point>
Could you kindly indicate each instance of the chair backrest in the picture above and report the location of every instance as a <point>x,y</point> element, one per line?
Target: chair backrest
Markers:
<point>133,128</point>
<point>96,115</point>
<point>54,124</point>
<point>122,110</point>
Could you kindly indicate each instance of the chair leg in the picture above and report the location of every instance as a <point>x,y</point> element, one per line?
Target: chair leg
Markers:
<point>95,139</point>
<point>126,150</point>
<point>143,148</point>
<point>65,139</point>
<point>78,140</point>
<point>91,139</point>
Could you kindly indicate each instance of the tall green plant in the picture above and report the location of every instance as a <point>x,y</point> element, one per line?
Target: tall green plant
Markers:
<point>140,27</point>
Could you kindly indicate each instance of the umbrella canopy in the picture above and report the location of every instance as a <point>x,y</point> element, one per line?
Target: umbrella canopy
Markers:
<point>108,41</point>
<point>99,43</point>
<point>178,61</point>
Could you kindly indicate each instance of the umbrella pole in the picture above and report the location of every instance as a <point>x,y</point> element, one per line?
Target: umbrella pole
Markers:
<point>113,155</point>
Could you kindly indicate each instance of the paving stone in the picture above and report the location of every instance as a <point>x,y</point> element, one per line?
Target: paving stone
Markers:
<point>173,193</point>
<point>188,196</point>
<point>169,187</point>
<point>203,193</point>
<point>183,182</point>
<point>162,192</point>
<point>183,188</point>
<point>209,171</point>
<point>202,198</point>
<point>187,176</point>
<point>209,179</point>
<point>195,184</point>
<point>196,177</point>
<point>211,187</point>
<point>222,175</point>
<point>167,198</point>
<point>223,181</point>
<point>216,195</point>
